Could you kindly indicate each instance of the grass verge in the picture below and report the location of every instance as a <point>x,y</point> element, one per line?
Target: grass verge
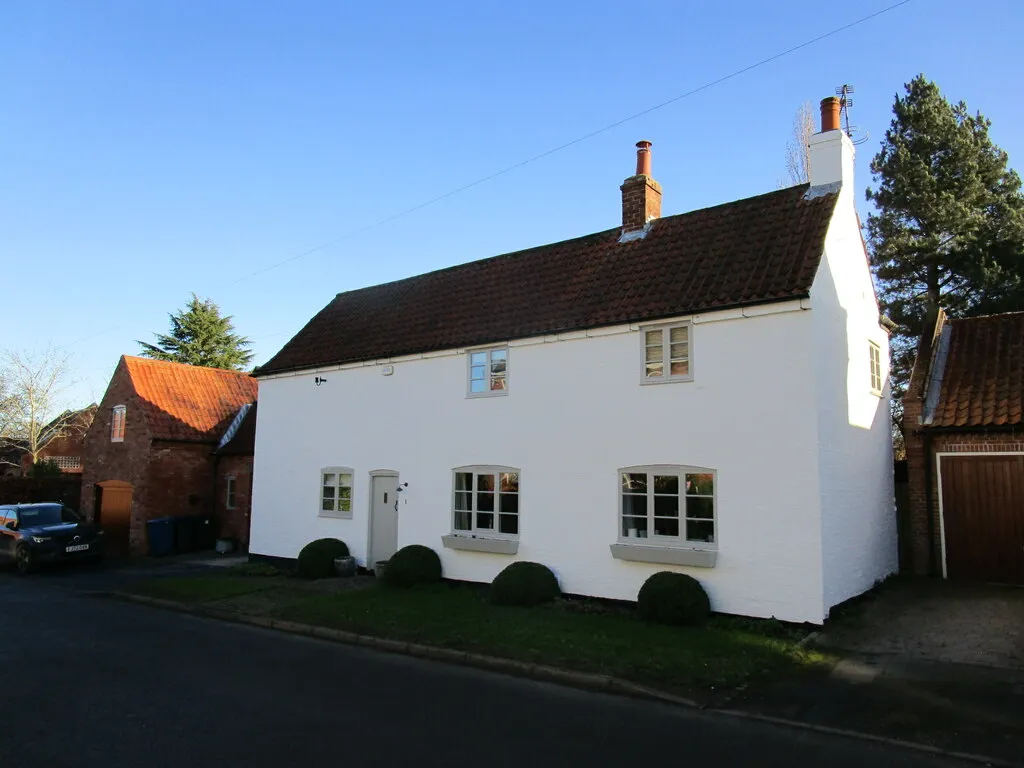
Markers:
<point>582,635</point>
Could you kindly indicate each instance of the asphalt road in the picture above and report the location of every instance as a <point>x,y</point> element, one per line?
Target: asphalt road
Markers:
<point>90,681</point>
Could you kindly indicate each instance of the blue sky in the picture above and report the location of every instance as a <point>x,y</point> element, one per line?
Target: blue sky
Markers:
<point>151,149</point>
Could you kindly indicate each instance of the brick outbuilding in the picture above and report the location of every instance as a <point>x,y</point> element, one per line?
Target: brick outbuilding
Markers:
<point>964,433</point>
<point>152,449</point>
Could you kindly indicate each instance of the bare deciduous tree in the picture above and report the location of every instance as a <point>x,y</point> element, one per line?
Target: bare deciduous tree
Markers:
<point>31,413</point>
<point>798,153</point>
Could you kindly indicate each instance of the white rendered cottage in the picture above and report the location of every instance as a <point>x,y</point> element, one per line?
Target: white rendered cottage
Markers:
<point>704,393</point>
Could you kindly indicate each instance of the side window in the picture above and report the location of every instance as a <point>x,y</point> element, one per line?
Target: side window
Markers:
<point>229,502</point>
<point>485,501</point>
<point>667,504</point>
<point>117,424</point>
<point>6,516</point>
<point>488,372</point>
<point>875,356</point>
<point>336,492</point>
<point>667,354</point>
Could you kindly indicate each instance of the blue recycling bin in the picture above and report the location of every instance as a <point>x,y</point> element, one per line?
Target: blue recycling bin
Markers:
<point>161,536</point>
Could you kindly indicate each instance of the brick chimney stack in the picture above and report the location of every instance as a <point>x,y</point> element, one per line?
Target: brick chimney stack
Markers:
<point>641,195</point>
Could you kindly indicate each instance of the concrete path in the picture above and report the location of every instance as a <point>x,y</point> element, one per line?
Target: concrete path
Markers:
<point>929,620</point>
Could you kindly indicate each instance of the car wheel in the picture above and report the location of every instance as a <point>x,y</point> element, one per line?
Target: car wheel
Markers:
<point>23,560</point>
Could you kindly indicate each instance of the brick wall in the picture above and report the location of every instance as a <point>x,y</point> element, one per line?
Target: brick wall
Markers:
<point>105,460</point>
<point>234,523</point>
<point>168,478</point>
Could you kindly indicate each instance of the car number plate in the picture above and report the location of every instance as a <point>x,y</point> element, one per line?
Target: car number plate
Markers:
<point>77,548</point>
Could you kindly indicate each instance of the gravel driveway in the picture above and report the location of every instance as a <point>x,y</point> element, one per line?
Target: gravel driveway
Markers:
<point>935,620</point>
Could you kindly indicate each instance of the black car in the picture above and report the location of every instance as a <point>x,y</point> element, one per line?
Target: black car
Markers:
<point>31,534</point>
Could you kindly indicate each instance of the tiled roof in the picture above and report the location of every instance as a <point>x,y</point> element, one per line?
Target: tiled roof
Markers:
<point>983,380</point>
<point>187,402</point>
<point>243,442</point>
<point>751,251</point>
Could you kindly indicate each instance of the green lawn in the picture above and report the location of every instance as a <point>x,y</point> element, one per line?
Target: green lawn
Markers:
<point>726,652</point>
<point>202,589</point>
<point>585,635</point>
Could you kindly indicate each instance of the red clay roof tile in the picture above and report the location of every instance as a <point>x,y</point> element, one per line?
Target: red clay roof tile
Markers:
<point>751,251</point>
<point>983,381</point>
<point>188,402</point>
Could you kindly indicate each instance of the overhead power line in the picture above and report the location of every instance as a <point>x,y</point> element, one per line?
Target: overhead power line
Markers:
<point>547,153</point>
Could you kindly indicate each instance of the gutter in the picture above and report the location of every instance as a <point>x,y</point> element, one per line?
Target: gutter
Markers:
<point>266,372</point>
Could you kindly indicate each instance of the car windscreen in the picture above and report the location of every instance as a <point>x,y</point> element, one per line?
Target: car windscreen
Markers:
<point>45,514</point>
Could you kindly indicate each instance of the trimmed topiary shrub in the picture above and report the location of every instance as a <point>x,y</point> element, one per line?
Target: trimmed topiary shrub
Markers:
<point>316,560</point>
<point>673,598</point>
<point>412,565</point>
<point>524,583</point>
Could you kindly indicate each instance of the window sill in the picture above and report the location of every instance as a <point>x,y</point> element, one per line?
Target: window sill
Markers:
<point>670,380</point>
<point>475,395</point>
<point>642,553</point>
<point>470,544</point>
<point>336,515</point>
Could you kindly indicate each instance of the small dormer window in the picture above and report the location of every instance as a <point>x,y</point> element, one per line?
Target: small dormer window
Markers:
<point>667,353</point>
<point>488,372</point>
<point>117,424</point>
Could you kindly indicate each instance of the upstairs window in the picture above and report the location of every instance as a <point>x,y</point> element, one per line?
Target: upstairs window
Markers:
<point>488,372</point>
<point>667,504</point>
<point>667,354</point>
<point>117,424</point>
<point>875,355</point>
<point>486,502</point>
<point>336,492</point>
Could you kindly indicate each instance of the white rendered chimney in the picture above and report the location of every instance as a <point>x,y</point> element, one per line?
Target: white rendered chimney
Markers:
<point>831,151</point>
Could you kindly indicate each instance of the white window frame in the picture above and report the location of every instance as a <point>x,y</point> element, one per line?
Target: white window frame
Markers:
<point>875,367</point>
<point>652,539</point>
<point>119,418</point>
<point>488,373</point>
<point>486,533</point>
<point>666,353</point>
<point>231,491</point>
<point>341,514</point>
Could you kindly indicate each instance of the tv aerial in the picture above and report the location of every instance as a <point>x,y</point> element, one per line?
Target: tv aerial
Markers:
<point>857,136</point>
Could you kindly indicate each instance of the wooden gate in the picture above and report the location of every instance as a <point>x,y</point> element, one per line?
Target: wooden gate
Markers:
<point>982,499</point>
<point>115,514</point>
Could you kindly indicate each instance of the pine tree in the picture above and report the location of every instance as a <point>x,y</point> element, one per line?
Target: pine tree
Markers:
<point>201,336</point>
<point>949,226</point>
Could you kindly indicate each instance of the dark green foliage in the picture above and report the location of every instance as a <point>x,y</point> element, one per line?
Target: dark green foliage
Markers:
<point>673,598</point>
<point>316,560</point>
<point>412,565</point>
<point>524,583</point>
<point>949,223</point>
<point>45,468</point>
<point>200,336</point>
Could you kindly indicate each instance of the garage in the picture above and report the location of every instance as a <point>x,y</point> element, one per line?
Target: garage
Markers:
<point>963,423</point>
<point>982,514</point>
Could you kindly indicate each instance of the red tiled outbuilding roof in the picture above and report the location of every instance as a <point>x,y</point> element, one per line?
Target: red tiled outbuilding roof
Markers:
<point>983,379</point>
<point>752,251</point>
<point>188,402</point>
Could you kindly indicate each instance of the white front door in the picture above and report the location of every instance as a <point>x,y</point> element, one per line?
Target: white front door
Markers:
<point>383,518</point>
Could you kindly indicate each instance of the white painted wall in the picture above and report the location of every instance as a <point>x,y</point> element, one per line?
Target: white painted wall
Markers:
<point>576,412</point>
<point>858,519</point>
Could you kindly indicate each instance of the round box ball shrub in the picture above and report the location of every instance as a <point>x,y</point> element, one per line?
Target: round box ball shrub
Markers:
<point>673,598</point>
<point>412,565</point>
<point>316,560</point>
<point>524,583</point>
